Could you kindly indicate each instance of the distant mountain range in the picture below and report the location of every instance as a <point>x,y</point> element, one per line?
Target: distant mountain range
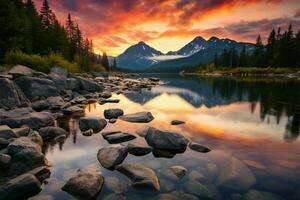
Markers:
<point>199,51</point>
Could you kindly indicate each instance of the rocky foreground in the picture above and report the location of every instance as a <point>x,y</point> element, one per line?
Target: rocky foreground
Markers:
<point>31,101</point>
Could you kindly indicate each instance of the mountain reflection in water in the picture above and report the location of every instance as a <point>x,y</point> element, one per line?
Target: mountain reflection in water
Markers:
<point>254,120</point>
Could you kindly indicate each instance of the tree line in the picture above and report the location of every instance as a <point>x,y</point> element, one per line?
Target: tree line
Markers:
<point>24,28</point>
<point>281,50</point>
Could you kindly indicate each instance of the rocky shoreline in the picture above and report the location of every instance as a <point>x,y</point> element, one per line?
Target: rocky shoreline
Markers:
<point>31,101</point>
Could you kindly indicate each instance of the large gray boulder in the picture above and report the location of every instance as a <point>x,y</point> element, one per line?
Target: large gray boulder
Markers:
<point>141,176</point>
<point>139,117</point>
<point>51,132</point>
<point>24,143</point>
<point>11,96</point>
<point>88,85</point>
<point>112,155</point>
<point>87,123</point>
<point>21,187</point>
<point>58,71</point>
<point>235,175</point>
<point>85,184</point>
<point>34,87</point>
<point>165,140</point>
<point>20,70</point>
<point>26,116</point>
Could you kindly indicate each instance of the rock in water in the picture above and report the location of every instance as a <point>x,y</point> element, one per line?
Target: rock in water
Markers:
<point>198,189</point>
<point>51,132</point>
<point>73,110</point>
<point>198,147</point>
<point>259,195</point>
<point>179,171</point>
<point>97,124</point>
<point>21,187</point>
<point>139,117</point>
<point>236,175</point>
<point>13,96</point>
<point>113,113</point>
<point>117,137</point>
<point>37,87</point>
<point>141,176</point>
<point>23,143</point>
<point>88,85</point>
<point>85,184</point>
<point>165,140</point>
<point>112,155</point>
<point>138,150</point>
<point>177,122</point>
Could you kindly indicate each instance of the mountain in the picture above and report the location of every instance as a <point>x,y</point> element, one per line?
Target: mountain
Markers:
<point>137,56</point>
<point>199,51</point>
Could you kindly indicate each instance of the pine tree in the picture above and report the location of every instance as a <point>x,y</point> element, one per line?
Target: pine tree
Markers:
<point>105,62</point>
<point>47,16</point>
<point>270,49</point>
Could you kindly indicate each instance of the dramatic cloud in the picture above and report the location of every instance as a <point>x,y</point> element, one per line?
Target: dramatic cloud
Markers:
<point>116,24</point>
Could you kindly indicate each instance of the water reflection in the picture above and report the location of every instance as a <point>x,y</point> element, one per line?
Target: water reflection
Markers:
<point>256,122</point>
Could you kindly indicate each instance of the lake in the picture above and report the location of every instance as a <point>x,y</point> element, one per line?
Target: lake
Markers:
<point>251,125</point>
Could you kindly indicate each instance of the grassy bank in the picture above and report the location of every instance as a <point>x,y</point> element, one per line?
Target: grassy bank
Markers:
<point>45,63</point>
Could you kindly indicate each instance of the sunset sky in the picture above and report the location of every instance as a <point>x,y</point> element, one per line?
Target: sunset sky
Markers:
<point>167,25</point>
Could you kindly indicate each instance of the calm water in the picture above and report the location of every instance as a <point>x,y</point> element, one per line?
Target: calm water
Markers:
<point>255,121</point>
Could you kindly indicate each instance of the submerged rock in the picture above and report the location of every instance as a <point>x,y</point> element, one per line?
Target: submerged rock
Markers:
<point>86,184</point>
<point>259,195</point>
<point>113,113</point>
<point>198,189</point>
<point>51,132</point>
<point>179,171</point>
<point>236,175</point>
<point>97,124</point>
<point>138,149</point>
<point>21,187</point>
<point>141,176</point>
<point>165,140</point>
<point>198,147</point>
<point>117,137</point>
<point>177,122</point>
<point>139,117</point>
<point>112,155</point>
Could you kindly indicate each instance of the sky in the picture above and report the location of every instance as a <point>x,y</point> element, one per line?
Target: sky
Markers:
<point>167,25</point>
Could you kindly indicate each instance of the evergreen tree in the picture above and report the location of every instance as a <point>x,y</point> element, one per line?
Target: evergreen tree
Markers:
<point>270,49</point>
<point>47,16</point>
<point>105,62</point>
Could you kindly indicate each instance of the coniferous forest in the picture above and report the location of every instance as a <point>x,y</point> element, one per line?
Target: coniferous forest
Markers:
<point>282,50</point>
<point>36,38</point>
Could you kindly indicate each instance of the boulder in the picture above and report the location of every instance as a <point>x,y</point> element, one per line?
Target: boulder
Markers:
<point>55,103</point>
<point>21,187</point>
<point>259,195</point>
<point>138,149</point>
<point>61,72</point>
<point>40,105</point>
<point>198,189</point>
<point>7,133</point>
<point>179,171</point>
<point>34,87</point>
<point>51,132</point>
<point>41,173</point>
<point>141,177</point>
<point>23,131</point>
<point>139,117</point>
<point>114,137</point>
<point>72,84</point>
<point>97,124</point>
<point>198,147</point>
<point>112,155</point>
<point>106,94</point>
<point>23,143</point>
<point>26,116</point>
<point>60,82</point>
<point>113,113</point>
<point>165,140</point>
<point>177,122</point>
<point>88,85</point>
<point>235,175</point>
<point>20,70</point>
<point>73,110</point>
<point>13,96</point>
<point>85,184</point>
